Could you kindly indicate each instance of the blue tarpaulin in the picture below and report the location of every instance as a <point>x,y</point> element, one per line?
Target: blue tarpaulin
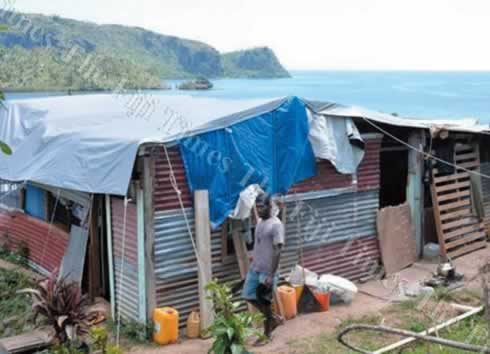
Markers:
<point>271,149</point>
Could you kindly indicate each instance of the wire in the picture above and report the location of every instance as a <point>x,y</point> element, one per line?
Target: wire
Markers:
<point>426,154</point>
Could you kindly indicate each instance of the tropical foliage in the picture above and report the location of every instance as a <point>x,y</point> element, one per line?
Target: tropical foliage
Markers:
<point>253,63</point>
<point>47,69</point>
<point>129,48</point>
<point>62,306</point>
<point>230,328</point>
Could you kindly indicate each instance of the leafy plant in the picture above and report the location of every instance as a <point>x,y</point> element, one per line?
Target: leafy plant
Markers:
<point>230,329</point>
<point>63,306</point>
<point>100,341</point>
<point>133,331</point>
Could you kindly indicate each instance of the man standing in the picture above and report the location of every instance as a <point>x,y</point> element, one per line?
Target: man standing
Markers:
<point>262,277</point>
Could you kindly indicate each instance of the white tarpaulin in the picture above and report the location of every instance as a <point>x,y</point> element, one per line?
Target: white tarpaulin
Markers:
<point>89,142</point>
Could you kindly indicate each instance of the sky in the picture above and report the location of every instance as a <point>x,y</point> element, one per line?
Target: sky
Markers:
<point>310,34</point>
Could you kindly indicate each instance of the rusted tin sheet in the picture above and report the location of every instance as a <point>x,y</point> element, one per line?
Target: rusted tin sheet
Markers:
<point>368,173</point>
<point>352,259</point>
<point>126,283</point>
<point>164,195</point>
<point>46,244</point>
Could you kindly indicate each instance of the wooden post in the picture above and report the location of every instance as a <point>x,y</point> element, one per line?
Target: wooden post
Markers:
<point>148,181</point>
<point>141,253</point>
<point>415,187</point>
<point>203,244</point>
<point>240,248</point>
<point>110,259</point>
<point>94,257</point>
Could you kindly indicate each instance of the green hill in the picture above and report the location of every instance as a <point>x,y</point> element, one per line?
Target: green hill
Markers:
<point>146,55</point>
<point>253,63</point>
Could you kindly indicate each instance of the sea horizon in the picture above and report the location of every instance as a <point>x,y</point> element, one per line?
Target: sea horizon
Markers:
<point>409,93</point>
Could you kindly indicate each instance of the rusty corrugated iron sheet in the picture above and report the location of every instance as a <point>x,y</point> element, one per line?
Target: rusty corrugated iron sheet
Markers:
<point>327,177</point>
<point>368,173</point>
<point>352,259</point>
<point>164,196</point>
<point>126,283</point>
<point>47,244</point>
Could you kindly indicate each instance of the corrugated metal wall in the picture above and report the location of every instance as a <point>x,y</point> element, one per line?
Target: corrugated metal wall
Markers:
<point>126,283</point>
<point>47,244</point>
<point>352,259</point>
<point>175,262</point>
<point>326,222</point>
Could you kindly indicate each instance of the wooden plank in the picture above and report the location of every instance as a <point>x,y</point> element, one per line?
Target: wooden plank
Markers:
<point>462,147</point>
<point>149,217</point>
<point>467,249</point>
<point>469,238</point>
<point>456,214</point>
<point>452,186</point>
<point>203,244</point>
<point>112,288</point>
<point>396,236</point>
<point>468,165</point>
<point>454,195</point>
<point>437,221</point>
<point>140,226</point>
<point>457,223</point>
<point>415,187</point>
<point>461,231</point>
<point>450,206</point>
<point>453,177</point>
<point>240,249</point>
<point>26,342</point>
<point>466,156</point>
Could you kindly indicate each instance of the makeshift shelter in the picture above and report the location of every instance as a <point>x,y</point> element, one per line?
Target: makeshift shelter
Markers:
<point>128,168</point>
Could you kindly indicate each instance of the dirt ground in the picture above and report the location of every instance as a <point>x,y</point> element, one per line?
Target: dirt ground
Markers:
<point>374,296</point>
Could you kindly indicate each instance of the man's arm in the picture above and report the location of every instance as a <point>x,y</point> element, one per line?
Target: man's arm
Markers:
<point>276,252</point>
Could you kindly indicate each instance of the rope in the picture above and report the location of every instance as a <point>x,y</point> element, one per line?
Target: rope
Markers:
<point>173,182</point>
<point>121,272</point>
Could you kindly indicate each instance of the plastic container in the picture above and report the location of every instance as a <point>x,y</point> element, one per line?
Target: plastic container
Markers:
<point>166,322</point>
<point>323,299</point>
<point>287,295</point>
<point>193,325</point>
<point>299,291</point>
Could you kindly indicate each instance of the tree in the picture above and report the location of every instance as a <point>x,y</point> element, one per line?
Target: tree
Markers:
<point>3,146</point>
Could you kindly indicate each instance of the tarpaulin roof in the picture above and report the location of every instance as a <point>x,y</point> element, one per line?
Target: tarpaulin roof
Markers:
<point>89,142</point>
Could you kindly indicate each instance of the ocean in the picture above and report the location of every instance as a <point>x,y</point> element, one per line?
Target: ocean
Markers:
<point>417,94</point>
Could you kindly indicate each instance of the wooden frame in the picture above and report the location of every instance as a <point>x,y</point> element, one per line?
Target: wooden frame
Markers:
<point>458,230</point>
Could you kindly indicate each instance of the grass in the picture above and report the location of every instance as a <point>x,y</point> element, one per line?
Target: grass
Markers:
<point>414,315</point>
<point>15,309</point>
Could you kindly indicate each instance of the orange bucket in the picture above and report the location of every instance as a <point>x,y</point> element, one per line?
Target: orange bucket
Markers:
<point>287,296</point>
<point>323,299</point>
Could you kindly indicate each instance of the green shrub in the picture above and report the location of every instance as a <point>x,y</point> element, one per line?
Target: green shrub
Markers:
<point>230,329</point>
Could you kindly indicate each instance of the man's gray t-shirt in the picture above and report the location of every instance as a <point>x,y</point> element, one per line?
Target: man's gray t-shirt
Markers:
<point>267,234</point>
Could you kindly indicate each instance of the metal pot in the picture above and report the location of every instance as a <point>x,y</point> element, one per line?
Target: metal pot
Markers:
<point>446,270</point>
